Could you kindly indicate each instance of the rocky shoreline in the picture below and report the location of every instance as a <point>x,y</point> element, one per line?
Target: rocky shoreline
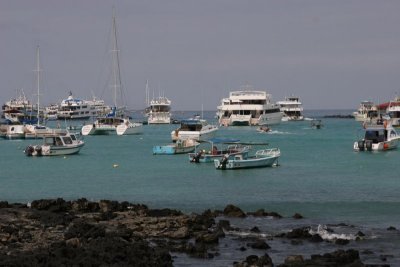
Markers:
<point>55,232</point>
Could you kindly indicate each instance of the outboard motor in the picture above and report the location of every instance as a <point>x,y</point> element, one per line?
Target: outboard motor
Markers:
<point>223,162</point>
<point>38,150</point>
<point>196,158</point>
<point>368,145</point>
<point>361,144</point>
<point>29,150</point>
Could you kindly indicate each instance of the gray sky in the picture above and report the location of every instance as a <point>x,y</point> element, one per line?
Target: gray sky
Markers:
<point>332,54</point>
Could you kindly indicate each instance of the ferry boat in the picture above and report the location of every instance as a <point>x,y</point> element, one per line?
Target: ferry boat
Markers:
<point>74,108</point>
<point>248,107</point>
<point>366,111</point>
<point>159,111</point>
<point>292,109</point>
<point>194,128</point>
<point>377,137</point>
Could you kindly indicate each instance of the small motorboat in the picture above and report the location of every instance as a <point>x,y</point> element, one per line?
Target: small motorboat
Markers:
<point>379,137</point>
<point>316,124</point>
<point>57,144</point>
<point>262,158</point>
<point>264,129</point>
<point>180,147</point>
<point>194,128</point>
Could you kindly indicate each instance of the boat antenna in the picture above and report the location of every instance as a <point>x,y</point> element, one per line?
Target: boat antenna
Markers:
<point>38,83</point>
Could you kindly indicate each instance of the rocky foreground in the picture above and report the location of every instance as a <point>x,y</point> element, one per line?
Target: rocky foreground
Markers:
<point>109,233</point>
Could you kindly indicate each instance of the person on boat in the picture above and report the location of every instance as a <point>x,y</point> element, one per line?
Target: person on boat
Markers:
<point>214,150</point>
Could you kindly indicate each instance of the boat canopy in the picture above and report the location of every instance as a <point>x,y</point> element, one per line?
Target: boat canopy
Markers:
<point>222,141</point>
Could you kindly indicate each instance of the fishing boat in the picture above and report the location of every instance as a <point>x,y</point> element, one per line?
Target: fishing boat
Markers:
<point>194,128</point>
<point>115,122</point>
<point>55,145</point>
<point>248,107</point>
<point>180,147</point>
<point>218,148</point>
<point>377,137</point>
<point>262,158</point>
<point>292,109</point>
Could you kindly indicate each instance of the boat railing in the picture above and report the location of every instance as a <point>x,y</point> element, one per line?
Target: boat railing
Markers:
<point>270,152</point>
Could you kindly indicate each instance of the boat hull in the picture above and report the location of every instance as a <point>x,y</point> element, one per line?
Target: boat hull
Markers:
<point>246,163</point>
<point>171,150</point>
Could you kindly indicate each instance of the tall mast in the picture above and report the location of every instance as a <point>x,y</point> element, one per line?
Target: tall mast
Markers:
<point>147,93</point>
<point>115,59</point>
<point>38,83</point>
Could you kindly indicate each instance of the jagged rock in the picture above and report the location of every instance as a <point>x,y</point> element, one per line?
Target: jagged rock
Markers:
<point>391,228</point>
<point>254,260</point>
<point>163,212</point>
<point>263,213</point>
<point>233,211</point>
<point>259,244</point>
<point>341,241</point>
<point>83,205</point>
<point>316,238</point>
<point>225,224</point>
<point>294,260</point>
<point>52,205</point>
<point>255,230</point>
<point>297,216</point>
<point>301,233</point>
<point>4,204</point>
<point>82,229</point>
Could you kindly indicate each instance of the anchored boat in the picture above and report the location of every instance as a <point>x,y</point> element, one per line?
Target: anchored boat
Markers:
<point>379,137</point>
<point>262,158</point>
<point>55,145</point>
<point>180,147</point>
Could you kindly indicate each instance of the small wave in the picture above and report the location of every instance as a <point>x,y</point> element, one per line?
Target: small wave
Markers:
<point>323,232</point>
<point>278,132</point>
<point>246,234</point>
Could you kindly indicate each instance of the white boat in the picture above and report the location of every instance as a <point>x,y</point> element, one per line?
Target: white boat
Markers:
<point>50,112</point>
<point>180,147</point>
<point>377,138</point>
<point>194,128</point>
<point>113,123</point>
<point>316,124</point>
<point>158,109</point>
<point>219,147</point>
<point>55,145</point>
<point>366,111</point>
<point>75,109</point>
<point>262,158</point>
<point>19,110</point>
<point>292,109</point>
<point>12,131</point>
<point>248,107</point>
<point>393,111</point>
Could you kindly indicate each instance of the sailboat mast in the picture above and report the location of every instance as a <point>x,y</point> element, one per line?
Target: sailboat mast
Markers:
<point>115,59</point>
<point>38,83</point>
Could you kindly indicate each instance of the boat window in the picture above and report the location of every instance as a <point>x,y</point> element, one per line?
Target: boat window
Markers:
<point>67,140</point>
<point>49,141</point>
<point>58,141</point>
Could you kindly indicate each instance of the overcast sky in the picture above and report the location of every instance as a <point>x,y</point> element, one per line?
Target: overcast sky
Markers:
<point>332,54</point>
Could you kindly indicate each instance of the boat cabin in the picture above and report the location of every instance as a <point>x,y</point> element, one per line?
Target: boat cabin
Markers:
<point>59,140</point>
<point>378,135</point>
<point>191,125</point>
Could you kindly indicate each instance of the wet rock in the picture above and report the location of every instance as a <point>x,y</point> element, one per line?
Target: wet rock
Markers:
<point>296,242</point>
<point>300,233</point>
<point>163,212</point>
<point>83,205</point>
<point>73,242</point>
<point>360,234</point>
<point>225,224</point>
<point>52,205</point>
<point>255,230</point>
<point>297,216</point>
<point>316,238</point>
<point>263,213</point>
<point>391,228</point>
<point>260,244</point>
<point>82,229</point>
<point>4,204</point>
<point>294,260</point>
<point>233,211</point>
<point>337,258</point>
<point>254,260</point>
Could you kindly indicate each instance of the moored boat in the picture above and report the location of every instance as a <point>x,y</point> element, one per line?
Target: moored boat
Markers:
<point>225,146</point>
<point>379,137</point>
<point>262,158</point>
<point>55,145</point>
<point>292,109</point>
<point>194,128</point>
<point>316,124</point>
<point>180,147</point>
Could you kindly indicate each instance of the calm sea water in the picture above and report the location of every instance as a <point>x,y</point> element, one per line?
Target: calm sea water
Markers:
<point>320,176</point>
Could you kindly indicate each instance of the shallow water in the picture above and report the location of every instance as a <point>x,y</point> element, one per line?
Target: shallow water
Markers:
<point>320,176</point>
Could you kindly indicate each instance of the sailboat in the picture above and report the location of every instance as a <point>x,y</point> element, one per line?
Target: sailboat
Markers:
<point>113,122</point>
<point>37,130</point>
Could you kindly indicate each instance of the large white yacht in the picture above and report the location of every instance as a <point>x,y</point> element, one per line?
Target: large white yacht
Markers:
<point>292,109</point>
<point>248,107</point>
<point>393,111</point>
<point>365,111</point>
<point>159,111</point>
<point>19,110</point>
<point>73,108</point>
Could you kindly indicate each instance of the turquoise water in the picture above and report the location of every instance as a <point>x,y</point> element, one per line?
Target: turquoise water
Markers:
<point>320,176</point>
